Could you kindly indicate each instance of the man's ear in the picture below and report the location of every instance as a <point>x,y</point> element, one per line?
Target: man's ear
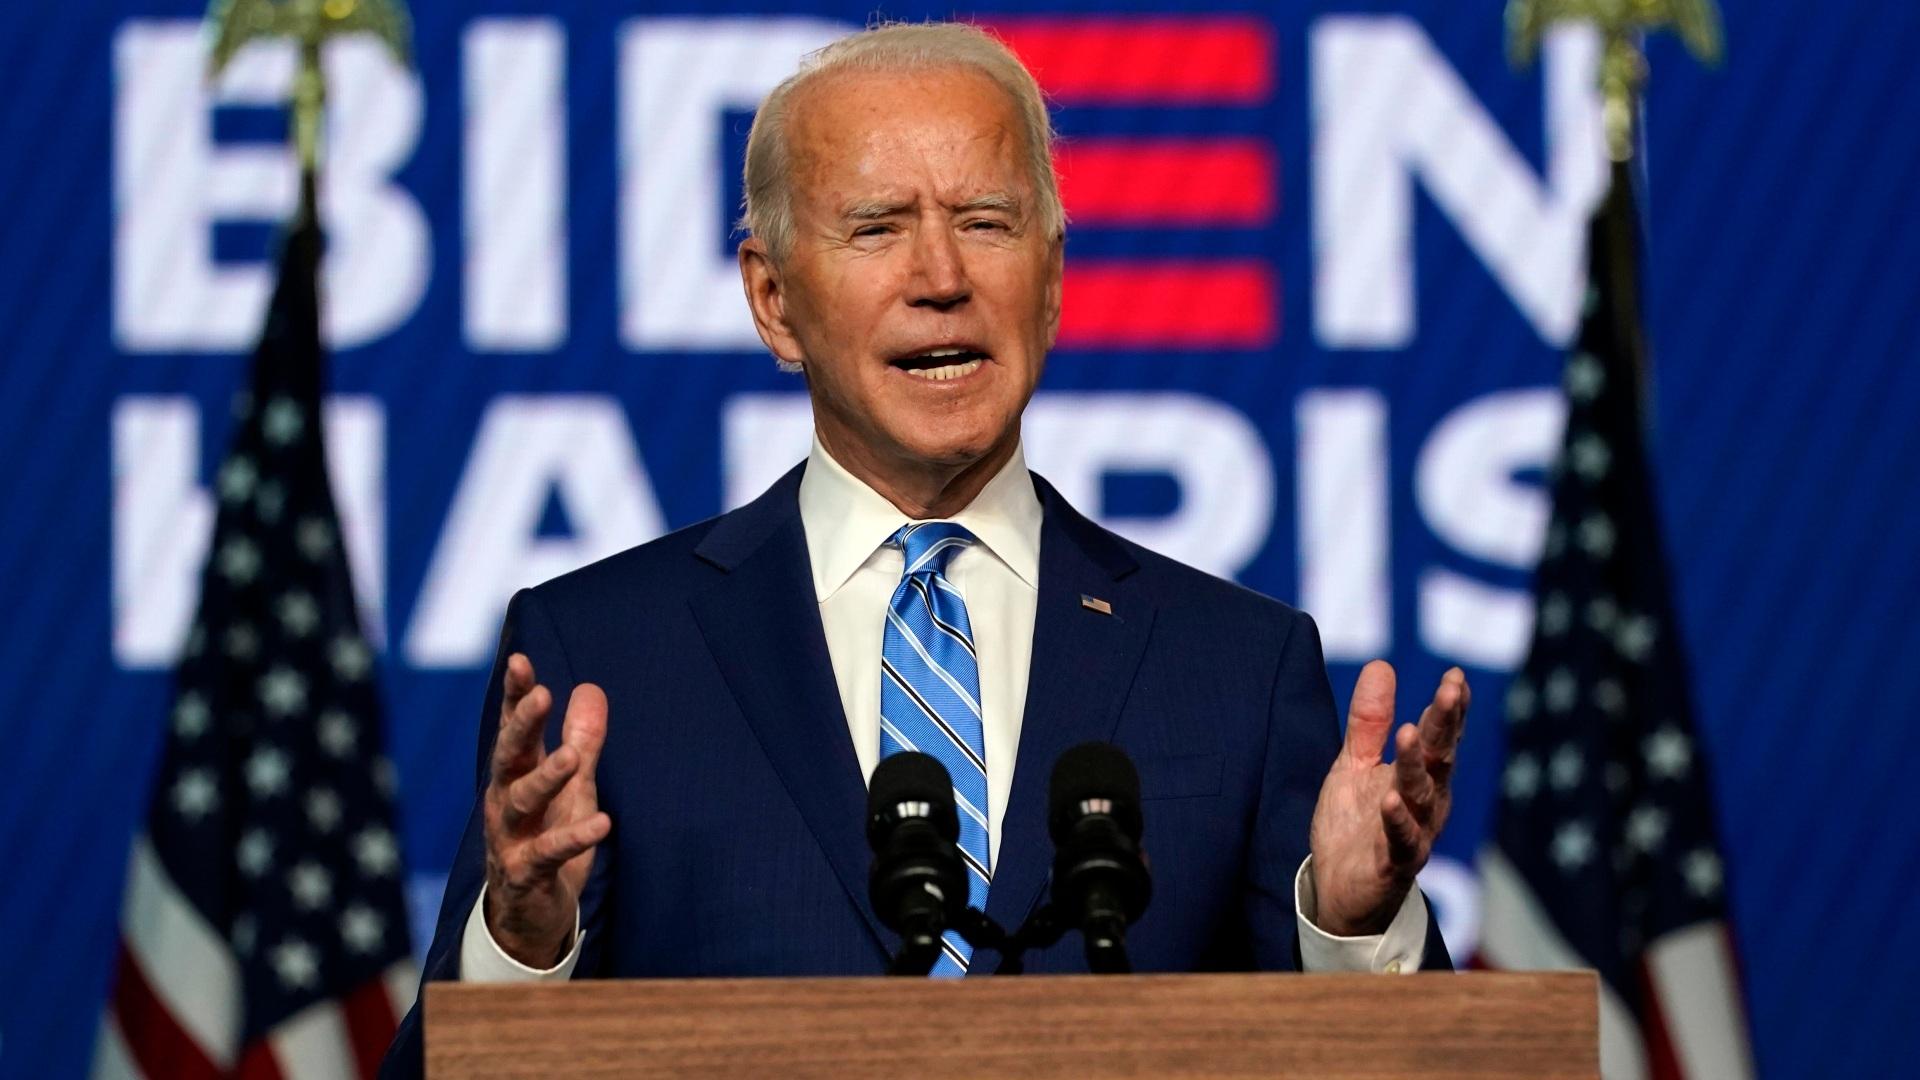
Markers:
<point>1056,277</point>
<point>766,298</point>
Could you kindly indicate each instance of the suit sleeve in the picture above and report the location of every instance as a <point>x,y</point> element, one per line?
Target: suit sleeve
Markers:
<point>528,629</point>
<point>1303,737</point>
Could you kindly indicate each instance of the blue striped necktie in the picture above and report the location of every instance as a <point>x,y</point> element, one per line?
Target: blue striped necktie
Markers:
<point>930,697</point>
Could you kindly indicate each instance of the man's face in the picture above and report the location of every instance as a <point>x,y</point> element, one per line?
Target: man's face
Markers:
<point>921,293</point>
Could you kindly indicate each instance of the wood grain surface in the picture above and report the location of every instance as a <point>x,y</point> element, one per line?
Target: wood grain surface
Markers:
<point>1537,1024</point>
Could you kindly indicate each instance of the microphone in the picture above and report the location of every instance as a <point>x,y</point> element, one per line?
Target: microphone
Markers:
<point>1100,881</point>
<point>918,885</point>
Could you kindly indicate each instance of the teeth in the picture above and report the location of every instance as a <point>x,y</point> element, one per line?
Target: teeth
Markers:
<point>949,371</point>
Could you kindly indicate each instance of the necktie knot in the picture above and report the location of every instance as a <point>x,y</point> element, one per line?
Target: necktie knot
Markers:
<point>930,545</point>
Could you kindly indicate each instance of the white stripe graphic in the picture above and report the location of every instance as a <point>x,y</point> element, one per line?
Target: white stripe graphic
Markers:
<point>184,959</point>
<point>403,985</point>
<point>1700,996</point>
<point>314,1044</point>
<point>940,672</point>
<point>886,725</point>
<point>1516,935</point>
<point>111,1058</point>
<point>939,545</point>
<point>962,801</point>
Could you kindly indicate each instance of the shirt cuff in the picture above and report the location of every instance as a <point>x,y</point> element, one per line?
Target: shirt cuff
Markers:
<point>482,960</point>
<point>1398,951</point>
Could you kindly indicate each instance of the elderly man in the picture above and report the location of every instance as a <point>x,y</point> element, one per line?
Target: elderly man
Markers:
<point>712,701</point>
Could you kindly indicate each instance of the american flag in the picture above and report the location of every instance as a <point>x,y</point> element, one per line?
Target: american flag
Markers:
<point>1604,855</point>
<point>263,930</point>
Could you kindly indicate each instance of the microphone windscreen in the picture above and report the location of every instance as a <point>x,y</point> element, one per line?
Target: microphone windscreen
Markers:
<point>912,778</point>
<point>1094,777</point>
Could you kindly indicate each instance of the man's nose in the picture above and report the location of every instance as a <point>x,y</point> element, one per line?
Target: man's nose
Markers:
<point>939,274</point>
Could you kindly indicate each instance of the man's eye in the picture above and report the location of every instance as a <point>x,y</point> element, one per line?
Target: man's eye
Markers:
<point>870,230</point>
<point>984,224</point>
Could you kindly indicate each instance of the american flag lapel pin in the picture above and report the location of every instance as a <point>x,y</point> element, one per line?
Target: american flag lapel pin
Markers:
<point>1094,603</point>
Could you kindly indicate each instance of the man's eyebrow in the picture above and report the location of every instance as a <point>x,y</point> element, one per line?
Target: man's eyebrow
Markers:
<point>992,200</point>
<point>873,209</point>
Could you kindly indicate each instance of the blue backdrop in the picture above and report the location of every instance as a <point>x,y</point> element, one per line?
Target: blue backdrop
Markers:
<point>1323,261</point>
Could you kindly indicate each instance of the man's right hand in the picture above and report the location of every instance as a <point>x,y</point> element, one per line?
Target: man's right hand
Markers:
<point>543,816</point>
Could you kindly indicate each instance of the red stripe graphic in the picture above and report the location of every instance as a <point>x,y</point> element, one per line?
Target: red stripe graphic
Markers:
<point>370,1024</point>
<point>258,1062</point>
<point>1213,304</point>
<point>153,1037</point>
<point>1662,1062</point>
<point>1207,60</point>
<point>1168,181</point>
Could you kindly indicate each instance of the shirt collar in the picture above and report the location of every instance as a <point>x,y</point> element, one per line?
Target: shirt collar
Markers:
<point>846,521</point>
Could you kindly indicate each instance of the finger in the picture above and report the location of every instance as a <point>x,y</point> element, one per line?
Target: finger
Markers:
<point>1370,713</point>
<point>1410,777</point>
<point>515,683</point>
<point>517,748</point>
<point>585,730</point>
<point>1442,724</point>
<point>527,799</point>
<point>551,849</point>
<point>1403,833</point>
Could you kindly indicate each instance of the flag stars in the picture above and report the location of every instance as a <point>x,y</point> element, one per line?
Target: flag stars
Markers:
<point>196,794</point>
<point>267,771</point>
<point>337,733</point>
<point>270,501</point>
<point>376,852</point>
<point>1634,638</point>
<point>1585,378</point>
<point>238,561</point>
<point>1596,535</point>
<point>243,642</point>
<point>1567,767</point>
<point>1703,872</point>
<point>1522,777</point>
<point>191,716</point>
<point>282,422</point>
<point>255,853</point>
<point>297,965</point>
<point>350,657</point>
<point>236,481</point>
<point>314,538</point>
<point>1669,754</point>
<point>1602,613</point>
<point>1572,846</point>
<point>1562,691</point>
<point>310,885</point>
<point>283,692</point>
<point>1590,457</point>
<point>362,929</point>
<point>1556,614</point>
<point>1646,829</point>
<point>245,934</point>
<point>1521,700</point>
<point>323,809</point>
<point>1610,697</point>
<point>298,613</point>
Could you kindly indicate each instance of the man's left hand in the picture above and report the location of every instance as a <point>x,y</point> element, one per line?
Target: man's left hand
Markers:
<point>1375,823</point>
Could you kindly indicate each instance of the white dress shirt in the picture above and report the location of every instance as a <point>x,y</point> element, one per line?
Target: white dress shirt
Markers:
<point>855,573</point>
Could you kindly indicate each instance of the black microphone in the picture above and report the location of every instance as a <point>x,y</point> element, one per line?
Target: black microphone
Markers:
<point>918,885</point>
<point>1100,881</point>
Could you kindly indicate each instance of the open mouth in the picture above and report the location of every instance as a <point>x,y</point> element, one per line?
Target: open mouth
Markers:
<point>940,365</point>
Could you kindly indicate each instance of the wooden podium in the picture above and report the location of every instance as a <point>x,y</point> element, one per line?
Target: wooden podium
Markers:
<point>1540,1024</point>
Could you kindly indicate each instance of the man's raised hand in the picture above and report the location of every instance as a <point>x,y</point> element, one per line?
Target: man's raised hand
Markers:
<point>543,816</point>
<point>1375,823</point>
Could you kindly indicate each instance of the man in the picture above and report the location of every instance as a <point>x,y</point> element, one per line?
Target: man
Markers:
<point>713,700</point>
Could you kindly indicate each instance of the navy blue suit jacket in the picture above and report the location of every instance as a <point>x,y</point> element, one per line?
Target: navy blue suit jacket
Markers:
<point>738,806</point>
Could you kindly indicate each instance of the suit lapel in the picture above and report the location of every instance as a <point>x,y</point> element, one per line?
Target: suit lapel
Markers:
<point>763,627</point>
<point>1082,668</point>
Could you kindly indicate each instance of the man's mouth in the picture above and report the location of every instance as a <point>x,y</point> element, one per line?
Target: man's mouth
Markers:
<point>940,365</point>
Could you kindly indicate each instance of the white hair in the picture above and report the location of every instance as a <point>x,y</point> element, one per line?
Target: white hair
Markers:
<point>893,47</point>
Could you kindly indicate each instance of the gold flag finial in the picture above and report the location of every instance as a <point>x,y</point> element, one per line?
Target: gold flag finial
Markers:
<point>1622,24</point>
<point>233,23</point>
